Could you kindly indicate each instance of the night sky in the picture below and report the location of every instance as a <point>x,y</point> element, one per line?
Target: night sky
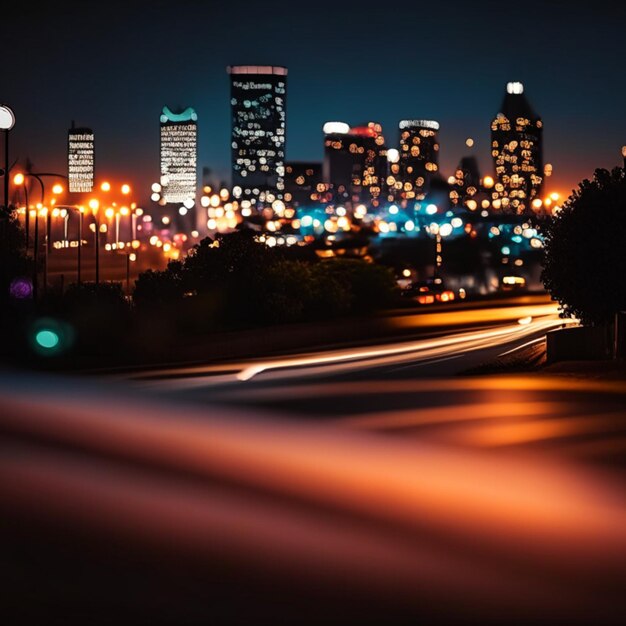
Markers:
<point>112,66</point>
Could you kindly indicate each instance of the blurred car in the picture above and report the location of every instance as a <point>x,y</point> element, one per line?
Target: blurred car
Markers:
<point>429,291</point>
<point>512,283</point>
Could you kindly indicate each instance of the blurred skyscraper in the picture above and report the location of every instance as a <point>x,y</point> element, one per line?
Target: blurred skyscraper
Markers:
<point>301,181</point>
<point>419,157</point>
<point>80,159</point>
<point>179,153</point>
<point>516,148</point>
<point>355,161</point>
<point>258,109</point>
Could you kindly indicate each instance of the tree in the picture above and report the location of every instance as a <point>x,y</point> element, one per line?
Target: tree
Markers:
<point>585,250</point>
<point>14,263</point>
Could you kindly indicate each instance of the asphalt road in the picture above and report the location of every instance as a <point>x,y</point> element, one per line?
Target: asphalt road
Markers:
<point>356,485</point>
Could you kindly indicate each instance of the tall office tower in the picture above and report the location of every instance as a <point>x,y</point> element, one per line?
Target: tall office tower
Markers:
<point>258,99</point>
<point>419,157</point>
<point>371,152</point>
<point>516,147</point>
<point>179,154</point>
<point>301,181</point>
<point>339,161</point>
<point>80,159</point>
<point>355,161</point>
<point>465,183</point>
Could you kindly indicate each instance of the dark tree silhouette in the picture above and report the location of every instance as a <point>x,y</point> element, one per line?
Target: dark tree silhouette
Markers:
<point>584,266</point>
<point>14,263</point>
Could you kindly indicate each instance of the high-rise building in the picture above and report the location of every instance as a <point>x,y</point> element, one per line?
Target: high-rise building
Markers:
<point>465,183</point>
<point>339,162</point>
<point>355,161</point>
<point>516,148</point>
<point>301,181</point>
<point>258,99</point>
<point>419,157</point>
<point>179,153</point>
<point>80,159</point>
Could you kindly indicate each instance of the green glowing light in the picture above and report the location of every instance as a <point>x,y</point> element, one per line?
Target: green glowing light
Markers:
<point>47,339</point>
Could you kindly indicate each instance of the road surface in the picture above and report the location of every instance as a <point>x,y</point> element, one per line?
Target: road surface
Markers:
<point>354,486</point>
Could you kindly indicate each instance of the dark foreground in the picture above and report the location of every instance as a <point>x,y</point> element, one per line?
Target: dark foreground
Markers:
<point>494,500</point>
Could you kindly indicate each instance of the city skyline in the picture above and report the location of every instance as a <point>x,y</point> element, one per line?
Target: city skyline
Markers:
<point>578,135</point>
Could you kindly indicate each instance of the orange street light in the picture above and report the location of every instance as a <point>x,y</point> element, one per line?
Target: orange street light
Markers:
<point>105,186</point>
<point>125,189</point>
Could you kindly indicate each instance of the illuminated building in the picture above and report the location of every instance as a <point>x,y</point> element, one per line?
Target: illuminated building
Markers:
<point>372,168</point>
<point>339,162</point>
<point>355,161</point>
<point>516,148</point>
<point>419,152</point>
<point>258,108</point>
<point>80,159</point>
<point>301,181</point>
<point>465,183</point>
<point>179,149</point>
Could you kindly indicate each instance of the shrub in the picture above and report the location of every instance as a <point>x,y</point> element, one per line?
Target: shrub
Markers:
<point>585,261</point>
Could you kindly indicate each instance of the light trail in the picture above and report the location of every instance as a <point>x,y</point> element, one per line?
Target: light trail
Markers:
<point>516,323</point>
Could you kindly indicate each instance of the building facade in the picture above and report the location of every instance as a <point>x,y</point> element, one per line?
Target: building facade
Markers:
<point>179,155</point>
<point>355,162</point>
<point>419,157</point>
<point>80,159</point>
<point>516,148</point>
<point>259,124</point>
<point>302,179</point>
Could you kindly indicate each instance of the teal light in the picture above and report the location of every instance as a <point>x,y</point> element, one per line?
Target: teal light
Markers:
<point>47,339</point>
<point>188,115</point>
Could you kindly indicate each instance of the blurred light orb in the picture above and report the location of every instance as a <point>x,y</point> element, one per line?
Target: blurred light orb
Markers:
<point>445,230</point>
<point>47,339</point>
<point>21,288</point>
<point>393,155</point>
<point>340,128</point>
<point>515,88</point>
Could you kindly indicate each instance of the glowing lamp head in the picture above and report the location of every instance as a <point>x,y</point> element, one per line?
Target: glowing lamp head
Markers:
<point>7,117</point>
<point>18,179</point>
<point>94,205</point>
<point>125,189</point>
<point>105,186</point>
<point>57,189</point>
<point>488,182</point>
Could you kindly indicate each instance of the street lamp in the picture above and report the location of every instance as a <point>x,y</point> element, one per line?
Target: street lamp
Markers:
<point>20,181</point>
<point>7,122</point>
<point>94,205</point>
<point>64,212</point>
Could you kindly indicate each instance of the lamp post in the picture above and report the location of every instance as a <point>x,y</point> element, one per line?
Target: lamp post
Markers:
<point>7,122</point>
<point>81,210</point>
<point>94,205</point>
<point>20,181</point>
